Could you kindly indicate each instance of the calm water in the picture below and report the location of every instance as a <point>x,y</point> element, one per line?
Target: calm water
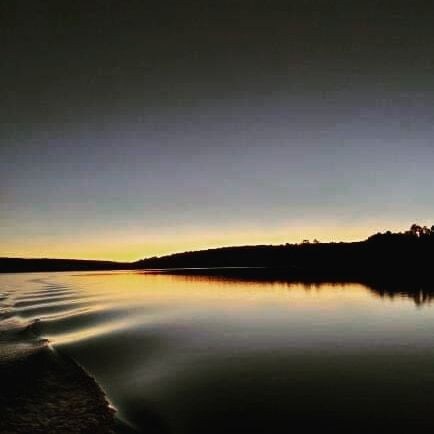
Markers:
<point>206,355</point>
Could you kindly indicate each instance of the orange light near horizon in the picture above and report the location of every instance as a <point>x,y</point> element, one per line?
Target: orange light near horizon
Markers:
<point>133,245</point>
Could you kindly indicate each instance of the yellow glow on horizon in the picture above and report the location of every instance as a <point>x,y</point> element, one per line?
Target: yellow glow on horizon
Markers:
<point>133,245</point>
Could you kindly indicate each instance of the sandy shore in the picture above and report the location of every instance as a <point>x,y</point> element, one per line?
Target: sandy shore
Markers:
<point>43,391</point>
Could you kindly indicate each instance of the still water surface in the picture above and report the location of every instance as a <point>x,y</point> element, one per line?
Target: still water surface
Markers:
<point>179,354</point>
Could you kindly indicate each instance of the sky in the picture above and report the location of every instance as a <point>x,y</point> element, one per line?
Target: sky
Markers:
<point>131,129</point>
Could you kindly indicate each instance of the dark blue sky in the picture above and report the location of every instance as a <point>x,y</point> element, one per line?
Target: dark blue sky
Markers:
<point>129,130</point>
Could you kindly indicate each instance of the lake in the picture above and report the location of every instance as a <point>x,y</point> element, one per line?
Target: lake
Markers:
<point>202,354</point>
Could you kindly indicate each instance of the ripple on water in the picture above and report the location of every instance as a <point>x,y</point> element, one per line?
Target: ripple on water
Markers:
<point>205,355</point>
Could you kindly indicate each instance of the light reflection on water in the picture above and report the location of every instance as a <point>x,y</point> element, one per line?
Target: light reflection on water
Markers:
<point>210,355</point>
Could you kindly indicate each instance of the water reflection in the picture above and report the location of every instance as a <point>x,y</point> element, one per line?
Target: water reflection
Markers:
<point>421,295</point>
<point>210,354</point>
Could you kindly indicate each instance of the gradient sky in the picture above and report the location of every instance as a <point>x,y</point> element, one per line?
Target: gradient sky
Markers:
<point>129,130</point>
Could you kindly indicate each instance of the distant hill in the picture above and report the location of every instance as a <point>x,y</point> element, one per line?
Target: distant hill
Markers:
<point>18,265</point>
<point>407,254</point>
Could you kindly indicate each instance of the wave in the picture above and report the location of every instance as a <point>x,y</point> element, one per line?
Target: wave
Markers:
<point>43,390</point>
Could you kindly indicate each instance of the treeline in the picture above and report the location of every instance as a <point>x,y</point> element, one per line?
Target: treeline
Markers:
<point>403,255</point>
<point>416,233</point>
<point>388,254</point>
<point>23,265</point>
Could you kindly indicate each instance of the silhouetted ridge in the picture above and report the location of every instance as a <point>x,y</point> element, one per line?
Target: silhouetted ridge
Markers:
<point>16,265</point>
<point>404,255</point>
<point>390,255</point>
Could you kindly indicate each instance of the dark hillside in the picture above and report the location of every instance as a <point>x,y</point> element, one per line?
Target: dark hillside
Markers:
<point>408,254</point>
<point>20,265</point>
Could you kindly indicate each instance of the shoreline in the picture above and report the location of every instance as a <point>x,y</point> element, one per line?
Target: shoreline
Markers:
<point>44,391</point>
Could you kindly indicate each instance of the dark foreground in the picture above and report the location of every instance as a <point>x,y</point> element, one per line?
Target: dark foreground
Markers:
<point>46,393</point>
<point>43,391</point>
